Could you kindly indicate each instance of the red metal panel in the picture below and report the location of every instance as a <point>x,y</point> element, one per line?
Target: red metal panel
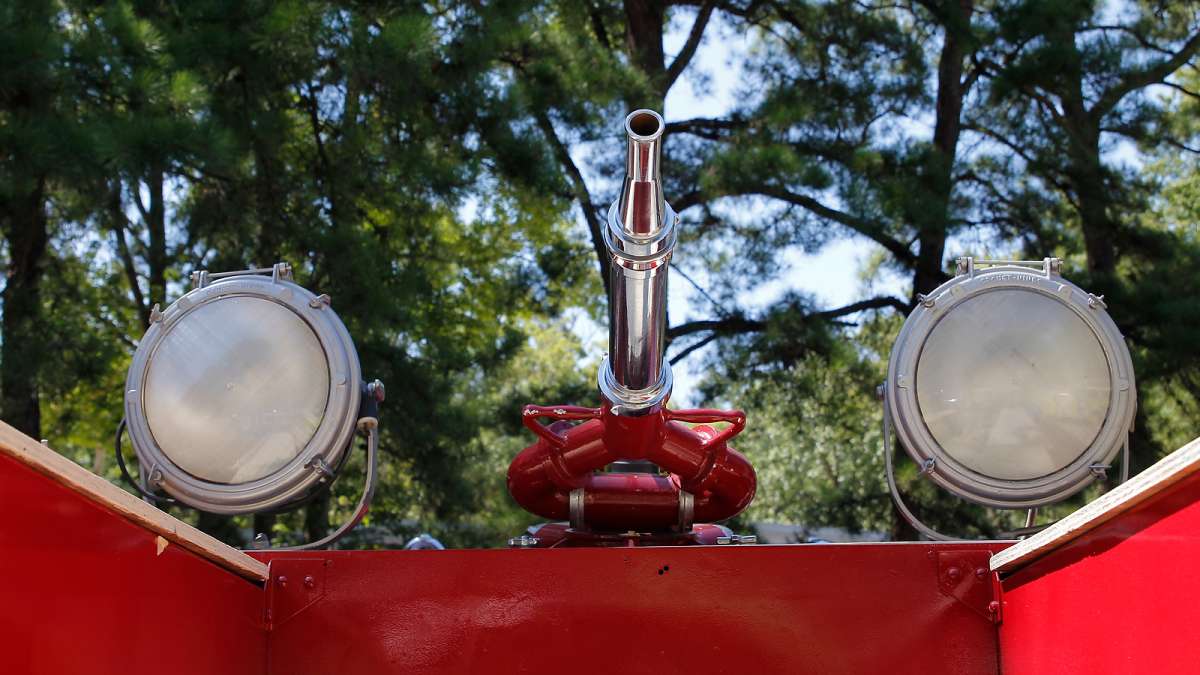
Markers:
<point>83,590</point>
<point>828,609</point>
<point>1119,599</point>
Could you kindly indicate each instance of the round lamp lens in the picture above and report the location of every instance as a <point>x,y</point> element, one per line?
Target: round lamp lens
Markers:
<point>236,389</point>
<point>1013,384</point>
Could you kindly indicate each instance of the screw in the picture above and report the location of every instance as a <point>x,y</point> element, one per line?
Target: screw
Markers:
<point>309,581</point>
<point>282,581</point>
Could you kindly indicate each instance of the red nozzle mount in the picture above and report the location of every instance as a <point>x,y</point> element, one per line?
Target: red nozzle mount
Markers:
<point>704,479</point>
<point>557,477</point>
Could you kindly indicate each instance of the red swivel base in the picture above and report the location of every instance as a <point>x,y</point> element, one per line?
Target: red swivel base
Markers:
<point>707,480</point>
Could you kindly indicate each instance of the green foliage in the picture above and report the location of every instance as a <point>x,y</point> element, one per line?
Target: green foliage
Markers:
<point>426,164</point>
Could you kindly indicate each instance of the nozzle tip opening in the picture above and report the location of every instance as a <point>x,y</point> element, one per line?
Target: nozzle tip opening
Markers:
<point>644,124</point>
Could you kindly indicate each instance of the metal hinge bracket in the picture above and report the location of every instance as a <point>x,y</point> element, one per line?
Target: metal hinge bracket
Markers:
<point>965,575</point>
<point>294,585</point>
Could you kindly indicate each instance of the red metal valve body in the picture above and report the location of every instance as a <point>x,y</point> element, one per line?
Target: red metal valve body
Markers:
<point>700,463</point>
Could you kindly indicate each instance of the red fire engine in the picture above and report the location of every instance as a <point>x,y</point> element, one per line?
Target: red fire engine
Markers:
<point>1009,386</point>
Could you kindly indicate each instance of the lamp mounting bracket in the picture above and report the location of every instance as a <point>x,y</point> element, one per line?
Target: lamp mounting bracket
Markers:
<point>1051,267</point>
<point>280,271</point>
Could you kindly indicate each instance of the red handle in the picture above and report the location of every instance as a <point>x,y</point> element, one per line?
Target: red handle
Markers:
<point>532,413</point>
<point>735,418</point>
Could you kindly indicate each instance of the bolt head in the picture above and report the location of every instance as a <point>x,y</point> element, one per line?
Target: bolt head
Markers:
<point>309,581</point>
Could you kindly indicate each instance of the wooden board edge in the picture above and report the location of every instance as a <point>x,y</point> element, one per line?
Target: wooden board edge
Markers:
<point>1163,474</point>
<point>58,468</point>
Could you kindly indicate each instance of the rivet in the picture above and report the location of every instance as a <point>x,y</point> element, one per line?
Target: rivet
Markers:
<point>954,573</point>
<point>309,581</point>
<point>282,581</point>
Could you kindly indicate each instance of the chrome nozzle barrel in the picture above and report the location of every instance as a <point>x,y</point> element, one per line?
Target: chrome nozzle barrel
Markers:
<point>642,207</point>
<point>640,234</point>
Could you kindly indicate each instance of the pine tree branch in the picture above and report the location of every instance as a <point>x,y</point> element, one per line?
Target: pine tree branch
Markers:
<point>1137,79</point>
<point>872,230</point>
<point>1181,89</point>
<point>869,229</point>
<point>598,25</point>
<point>733,325</point>
<point>700,289</point>
<point>878,302</point>
<point>1140,135</point>
<point>693,347</point>
<point>680,63</point>
<point>688,200</point>
<point>736,325</point>
<point>1043,169</point>
<point>705,127</point>
<point>582,195</point>
<point>120,224</point>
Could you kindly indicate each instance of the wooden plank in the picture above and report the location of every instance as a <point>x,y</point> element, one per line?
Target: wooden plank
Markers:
<point>1162,475</point>
<point>69,474</point>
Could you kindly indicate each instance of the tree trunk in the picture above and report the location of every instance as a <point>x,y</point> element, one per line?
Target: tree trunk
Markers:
<point>1091,192</point>
<point>933,220</point>
<point>644,20</point>
<point>268,211</point>
<point>157,227</point>
<point>20,352</point>
<point>1085,172</point>
<point>219,526</point>
<point>263,523</point>
<point>316,517</point>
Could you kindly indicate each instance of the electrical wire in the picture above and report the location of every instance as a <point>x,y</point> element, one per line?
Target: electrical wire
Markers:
<point>370,425</point>
<point>125,471</point>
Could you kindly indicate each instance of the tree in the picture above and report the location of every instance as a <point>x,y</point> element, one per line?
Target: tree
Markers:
<point>442,171</point>
<point>34,147</point>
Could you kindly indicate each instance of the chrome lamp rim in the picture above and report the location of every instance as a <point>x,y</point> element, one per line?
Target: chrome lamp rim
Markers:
<point>901,396</point>
<point>315,466</point>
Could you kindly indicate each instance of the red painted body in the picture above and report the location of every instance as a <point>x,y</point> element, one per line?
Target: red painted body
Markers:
<point>1121,598</point>
<point>821,609</point>
<point>86,591</point>
<point>698,458</point>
